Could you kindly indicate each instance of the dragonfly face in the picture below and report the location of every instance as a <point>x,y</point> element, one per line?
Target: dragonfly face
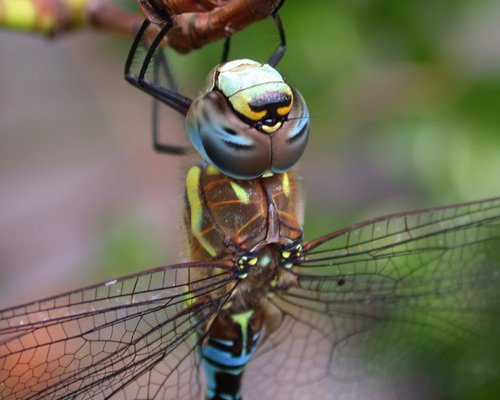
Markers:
<point>249,123</point>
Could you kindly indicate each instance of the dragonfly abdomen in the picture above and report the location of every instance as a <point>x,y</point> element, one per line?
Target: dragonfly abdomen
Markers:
<point>231,343</point>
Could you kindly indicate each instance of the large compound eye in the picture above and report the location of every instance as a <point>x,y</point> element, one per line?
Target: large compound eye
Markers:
<point>224,140</point>
<point>290,141</point>
<point>250,123</point>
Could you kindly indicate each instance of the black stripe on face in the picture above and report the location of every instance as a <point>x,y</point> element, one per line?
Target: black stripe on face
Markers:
<point>269,101</point>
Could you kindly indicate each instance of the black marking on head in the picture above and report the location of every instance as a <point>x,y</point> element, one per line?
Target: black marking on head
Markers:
<point>270,99</point>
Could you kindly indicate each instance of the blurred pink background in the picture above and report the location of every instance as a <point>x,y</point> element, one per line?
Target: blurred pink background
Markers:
<point>77,171</point>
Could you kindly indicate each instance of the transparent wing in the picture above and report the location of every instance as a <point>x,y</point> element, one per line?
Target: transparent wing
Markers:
<point>130,338</point>
<point>406,289</point>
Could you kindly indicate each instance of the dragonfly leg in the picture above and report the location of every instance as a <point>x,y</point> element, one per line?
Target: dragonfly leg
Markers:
<point>225,50</point>
<point>278,53</point>
<point>170,97</point>
<point>281,49</point>
<point>155,59</point>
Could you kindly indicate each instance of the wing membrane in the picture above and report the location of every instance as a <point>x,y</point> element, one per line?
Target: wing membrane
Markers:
<point>415,255</point>
<point>383,293</point>
<point>134,335</point>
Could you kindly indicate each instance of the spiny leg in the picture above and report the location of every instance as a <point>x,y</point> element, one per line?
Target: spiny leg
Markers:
<point>170,97</point>
<point>279,52</point>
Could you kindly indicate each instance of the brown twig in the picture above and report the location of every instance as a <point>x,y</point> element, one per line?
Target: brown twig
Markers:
<point>196,22</point>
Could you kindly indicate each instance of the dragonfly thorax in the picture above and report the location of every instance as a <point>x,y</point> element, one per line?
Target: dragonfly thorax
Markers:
<point>227,218</point>
<point>249,122</point>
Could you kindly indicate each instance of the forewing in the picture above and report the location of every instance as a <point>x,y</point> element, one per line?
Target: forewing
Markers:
<point>380,295</point>
<point>130,338</point>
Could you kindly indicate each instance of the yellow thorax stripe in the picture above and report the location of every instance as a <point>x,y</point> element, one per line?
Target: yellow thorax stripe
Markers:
<point>240,193</point>
<point>196,208</point>
<point>286,184</point>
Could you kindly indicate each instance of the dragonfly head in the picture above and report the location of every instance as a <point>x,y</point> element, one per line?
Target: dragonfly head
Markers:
<point>248,123</point>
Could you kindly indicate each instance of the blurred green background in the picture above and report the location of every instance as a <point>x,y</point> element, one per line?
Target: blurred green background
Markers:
<point>404,100</point>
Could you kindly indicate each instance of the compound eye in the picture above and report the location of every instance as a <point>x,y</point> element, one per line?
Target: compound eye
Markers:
<point>289,142</point>
<point>225,140</point>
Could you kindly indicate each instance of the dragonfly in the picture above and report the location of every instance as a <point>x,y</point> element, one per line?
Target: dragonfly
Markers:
<point>259,312</point>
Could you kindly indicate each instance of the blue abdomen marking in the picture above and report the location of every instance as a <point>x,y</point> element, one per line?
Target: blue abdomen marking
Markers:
<point>224,359</point>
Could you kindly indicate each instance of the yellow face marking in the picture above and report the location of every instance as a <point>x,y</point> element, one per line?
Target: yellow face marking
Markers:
<point>286,184</point>
<point>271,129</point>
<point>240,193</point>
<point>254,115</point>
<point>286,254</point>
<point>240,103</point>
<point>196,209</point>
<point>243,320</point>
<point>284,110</point>
<point>267,174</point>
<point>244,109</point>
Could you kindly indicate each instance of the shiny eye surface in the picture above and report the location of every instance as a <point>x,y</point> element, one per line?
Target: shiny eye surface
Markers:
<point>249,123</point>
